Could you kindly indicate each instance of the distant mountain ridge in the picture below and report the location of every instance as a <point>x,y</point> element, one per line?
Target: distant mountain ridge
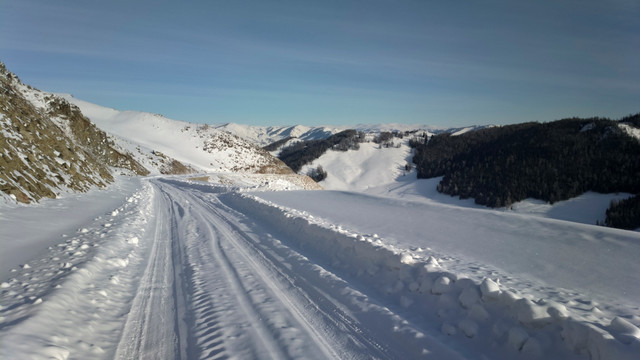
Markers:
<point>266,135</point>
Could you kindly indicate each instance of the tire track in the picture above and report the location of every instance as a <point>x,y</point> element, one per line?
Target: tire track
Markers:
<point>150,329</point>
<point>309,309</point>
<point>222,320</point>
<point>304,298</point>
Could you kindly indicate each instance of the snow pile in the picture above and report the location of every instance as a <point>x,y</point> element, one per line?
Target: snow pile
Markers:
<point>82,286</point>
<point>499,319</point>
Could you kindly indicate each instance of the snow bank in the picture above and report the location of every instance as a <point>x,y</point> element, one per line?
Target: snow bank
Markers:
<point>491,319</point>
<point>27,230</point>
<point>73,300</point>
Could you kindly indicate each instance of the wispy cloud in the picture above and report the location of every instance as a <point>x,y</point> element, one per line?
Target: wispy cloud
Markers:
<point>358,58</point>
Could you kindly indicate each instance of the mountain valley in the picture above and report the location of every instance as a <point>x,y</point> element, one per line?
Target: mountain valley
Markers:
<point>127,234</point>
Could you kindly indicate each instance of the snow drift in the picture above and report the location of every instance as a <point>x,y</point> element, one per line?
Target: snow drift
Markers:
<point>497,320</point>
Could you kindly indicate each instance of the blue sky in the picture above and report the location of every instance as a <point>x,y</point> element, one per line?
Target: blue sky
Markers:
<point>445,63</point>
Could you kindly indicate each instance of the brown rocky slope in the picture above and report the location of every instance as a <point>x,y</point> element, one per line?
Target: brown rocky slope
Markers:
<point>51,149</point>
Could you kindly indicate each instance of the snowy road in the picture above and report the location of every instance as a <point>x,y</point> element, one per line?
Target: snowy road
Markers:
<point>181,269</point>
<point>176,273</point>
<point>248,295</point>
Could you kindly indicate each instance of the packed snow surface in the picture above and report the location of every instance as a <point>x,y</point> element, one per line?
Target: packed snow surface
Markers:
<point>27,230</point>
<point>224,267</point>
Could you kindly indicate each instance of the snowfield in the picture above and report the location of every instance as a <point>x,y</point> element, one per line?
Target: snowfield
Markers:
<point>228,268</point>
<point>147,136</point>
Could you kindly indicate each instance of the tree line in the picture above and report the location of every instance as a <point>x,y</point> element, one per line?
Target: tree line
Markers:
<point>549,161</point>
<point>304,152</point>
<point>277,144</point>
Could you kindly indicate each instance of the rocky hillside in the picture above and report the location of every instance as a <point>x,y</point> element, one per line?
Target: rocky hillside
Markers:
<point>49,147</point>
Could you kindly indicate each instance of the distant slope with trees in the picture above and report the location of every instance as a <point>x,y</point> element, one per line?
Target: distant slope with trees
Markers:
<point>304,152</point>
<point>548,161</point>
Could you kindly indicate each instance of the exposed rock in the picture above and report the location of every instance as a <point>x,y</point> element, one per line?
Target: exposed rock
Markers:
<point>53,148</point>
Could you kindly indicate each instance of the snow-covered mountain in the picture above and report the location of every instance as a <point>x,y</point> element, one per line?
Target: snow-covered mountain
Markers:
<point>265,135</point>
<point>201,146</point>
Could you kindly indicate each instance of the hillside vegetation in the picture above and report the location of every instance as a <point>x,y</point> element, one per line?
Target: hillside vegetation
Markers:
<point>549,161</point>
<point>304,152</point>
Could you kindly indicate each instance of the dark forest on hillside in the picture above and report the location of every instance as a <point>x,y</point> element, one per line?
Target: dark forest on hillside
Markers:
<point>548,161</point>
<point>624,214</point>
<point>277,144</point>
<point>304,152</point>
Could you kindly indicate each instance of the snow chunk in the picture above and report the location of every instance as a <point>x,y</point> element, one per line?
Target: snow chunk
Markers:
<point>532,348</point>
<point>478,313</point>
<point>624,331</point>
<point>407,259</point>
<point>557,311</point>
<point>490,289</point>
<point>517,337</point>
<point>531,314</point>
<point>441,286</point>
<point>425,286</point>
<point>468,327</point>
<point>469,297</point>
<point>432,264</point>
